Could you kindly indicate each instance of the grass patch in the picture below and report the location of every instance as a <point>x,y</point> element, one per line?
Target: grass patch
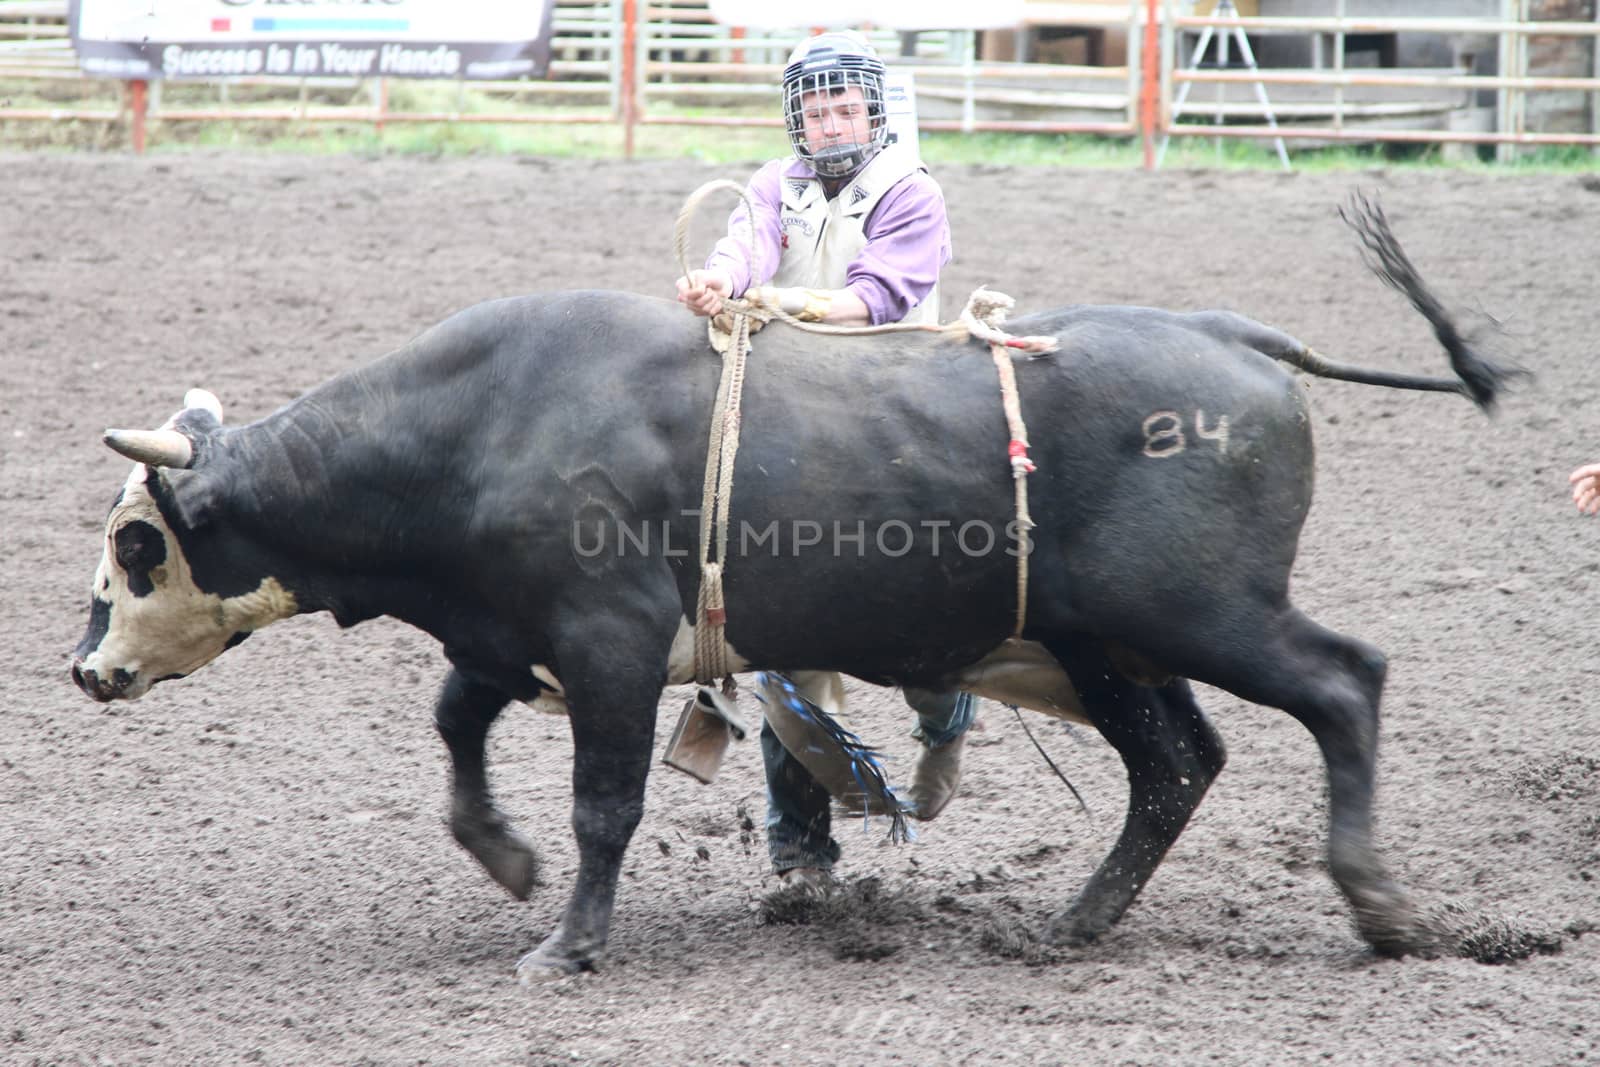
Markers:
<point>599,137</point>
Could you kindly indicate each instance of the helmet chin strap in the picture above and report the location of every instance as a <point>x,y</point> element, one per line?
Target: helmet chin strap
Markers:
<point>839,162</point>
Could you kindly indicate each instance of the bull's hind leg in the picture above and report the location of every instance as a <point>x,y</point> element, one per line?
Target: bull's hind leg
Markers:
<point>1172,755</point>
<point>1331,684</point>
<point>463,716</point>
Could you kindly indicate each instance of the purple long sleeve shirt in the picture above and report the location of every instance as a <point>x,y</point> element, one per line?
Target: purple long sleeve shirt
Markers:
<point>908,241</point>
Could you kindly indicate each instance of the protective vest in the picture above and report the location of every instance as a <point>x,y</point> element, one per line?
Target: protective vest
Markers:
<point>823,236</point>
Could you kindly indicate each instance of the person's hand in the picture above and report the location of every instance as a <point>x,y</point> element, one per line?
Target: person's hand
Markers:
<point>1586,488</point>
<point>702,291</point>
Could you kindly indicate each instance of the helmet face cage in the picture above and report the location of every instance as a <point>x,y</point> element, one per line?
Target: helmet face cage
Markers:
<point>832,73</point>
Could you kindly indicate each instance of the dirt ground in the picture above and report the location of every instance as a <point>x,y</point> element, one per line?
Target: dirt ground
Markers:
<point>251,865</point>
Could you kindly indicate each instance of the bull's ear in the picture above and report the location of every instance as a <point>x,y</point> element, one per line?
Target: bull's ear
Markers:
<point>198,424</point>
<point>157,448</point>
<point>195,496</point>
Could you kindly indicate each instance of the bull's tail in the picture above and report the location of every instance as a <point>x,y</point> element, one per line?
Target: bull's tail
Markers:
<point>1476,377</point>
<point>1481,379</point>
<point>1481,388</point>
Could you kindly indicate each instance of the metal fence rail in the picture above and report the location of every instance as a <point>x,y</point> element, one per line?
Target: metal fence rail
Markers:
<point>1512,84</point>
<point>653,62</point>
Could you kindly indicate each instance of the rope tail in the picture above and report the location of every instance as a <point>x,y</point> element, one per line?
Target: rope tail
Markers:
<point>1076,795</point>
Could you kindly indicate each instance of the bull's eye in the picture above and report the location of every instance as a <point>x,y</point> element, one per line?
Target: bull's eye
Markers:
<point>140,549</point>
<point>140,546</point>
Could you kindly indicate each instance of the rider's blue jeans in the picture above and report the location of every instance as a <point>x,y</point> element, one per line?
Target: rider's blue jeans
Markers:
<point>799,823</point>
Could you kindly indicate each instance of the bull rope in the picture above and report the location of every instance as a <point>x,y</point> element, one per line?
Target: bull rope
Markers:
<point>981,318</point>
<point>711,615</point>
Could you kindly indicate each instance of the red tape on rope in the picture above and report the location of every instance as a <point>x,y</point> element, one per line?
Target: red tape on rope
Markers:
<point>1019,450</point>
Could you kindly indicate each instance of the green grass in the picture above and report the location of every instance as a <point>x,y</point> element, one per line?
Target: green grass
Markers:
<point>603,138</point>
<point>743,146</point>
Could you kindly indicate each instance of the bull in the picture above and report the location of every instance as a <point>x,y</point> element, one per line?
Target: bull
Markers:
<point>522,482</point>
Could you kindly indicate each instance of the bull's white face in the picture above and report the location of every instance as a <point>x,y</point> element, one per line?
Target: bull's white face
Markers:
<point>149,621</point>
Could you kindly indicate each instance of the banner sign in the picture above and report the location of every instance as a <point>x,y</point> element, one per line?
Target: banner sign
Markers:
<point>900,109</point>
<point>812,15</point>
<point>312,38</point>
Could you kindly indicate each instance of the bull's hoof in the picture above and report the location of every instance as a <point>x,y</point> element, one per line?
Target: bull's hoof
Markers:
<point>1388,922</point>
<point>512,862</point>
<point>552,961</point>
<point>1065,932</point>
<point>509,857</point>
<point>1082,923</point>
<point>1394,935</point>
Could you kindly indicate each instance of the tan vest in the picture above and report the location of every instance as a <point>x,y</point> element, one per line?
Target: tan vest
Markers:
<point>824,236</point>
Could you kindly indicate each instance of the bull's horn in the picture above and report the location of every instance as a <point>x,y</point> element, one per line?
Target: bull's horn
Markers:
<point>158,448</point>
<point>201,398</point>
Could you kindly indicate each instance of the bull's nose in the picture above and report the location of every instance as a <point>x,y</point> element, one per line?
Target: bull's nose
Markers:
<point>100,689</point>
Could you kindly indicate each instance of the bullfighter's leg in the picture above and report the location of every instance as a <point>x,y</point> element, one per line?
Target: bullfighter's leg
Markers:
<point>799,820</point>
<point>463,715</point>
<point>1172,754</point>
<point>612,667</point>
<point>943,719</point>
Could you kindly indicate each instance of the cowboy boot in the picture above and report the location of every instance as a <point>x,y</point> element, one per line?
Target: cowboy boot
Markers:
<point>935,779</point>
<point>807,881</point>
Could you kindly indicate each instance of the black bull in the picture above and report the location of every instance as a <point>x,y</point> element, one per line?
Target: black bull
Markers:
<point>523,482</point>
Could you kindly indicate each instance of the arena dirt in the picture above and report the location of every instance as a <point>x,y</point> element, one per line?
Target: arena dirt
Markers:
<point>251,865</point>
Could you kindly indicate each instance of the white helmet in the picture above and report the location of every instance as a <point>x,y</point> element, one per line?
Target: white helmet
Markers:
<point>833,62</point>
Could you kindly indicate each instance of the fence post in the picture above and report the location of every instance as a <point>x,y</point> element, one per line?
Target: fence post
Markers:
<point>630,73</point>
<point>1594,97</point>
<point>138,106</point>
<point>1524,14</point>
<point>1150,68</point>
<point>1505,64</point>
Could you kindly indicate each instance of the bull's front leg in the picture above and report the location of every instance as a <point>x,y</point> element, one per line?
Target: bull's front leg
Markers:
<point>613,680</point>
<point>463,715</point>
